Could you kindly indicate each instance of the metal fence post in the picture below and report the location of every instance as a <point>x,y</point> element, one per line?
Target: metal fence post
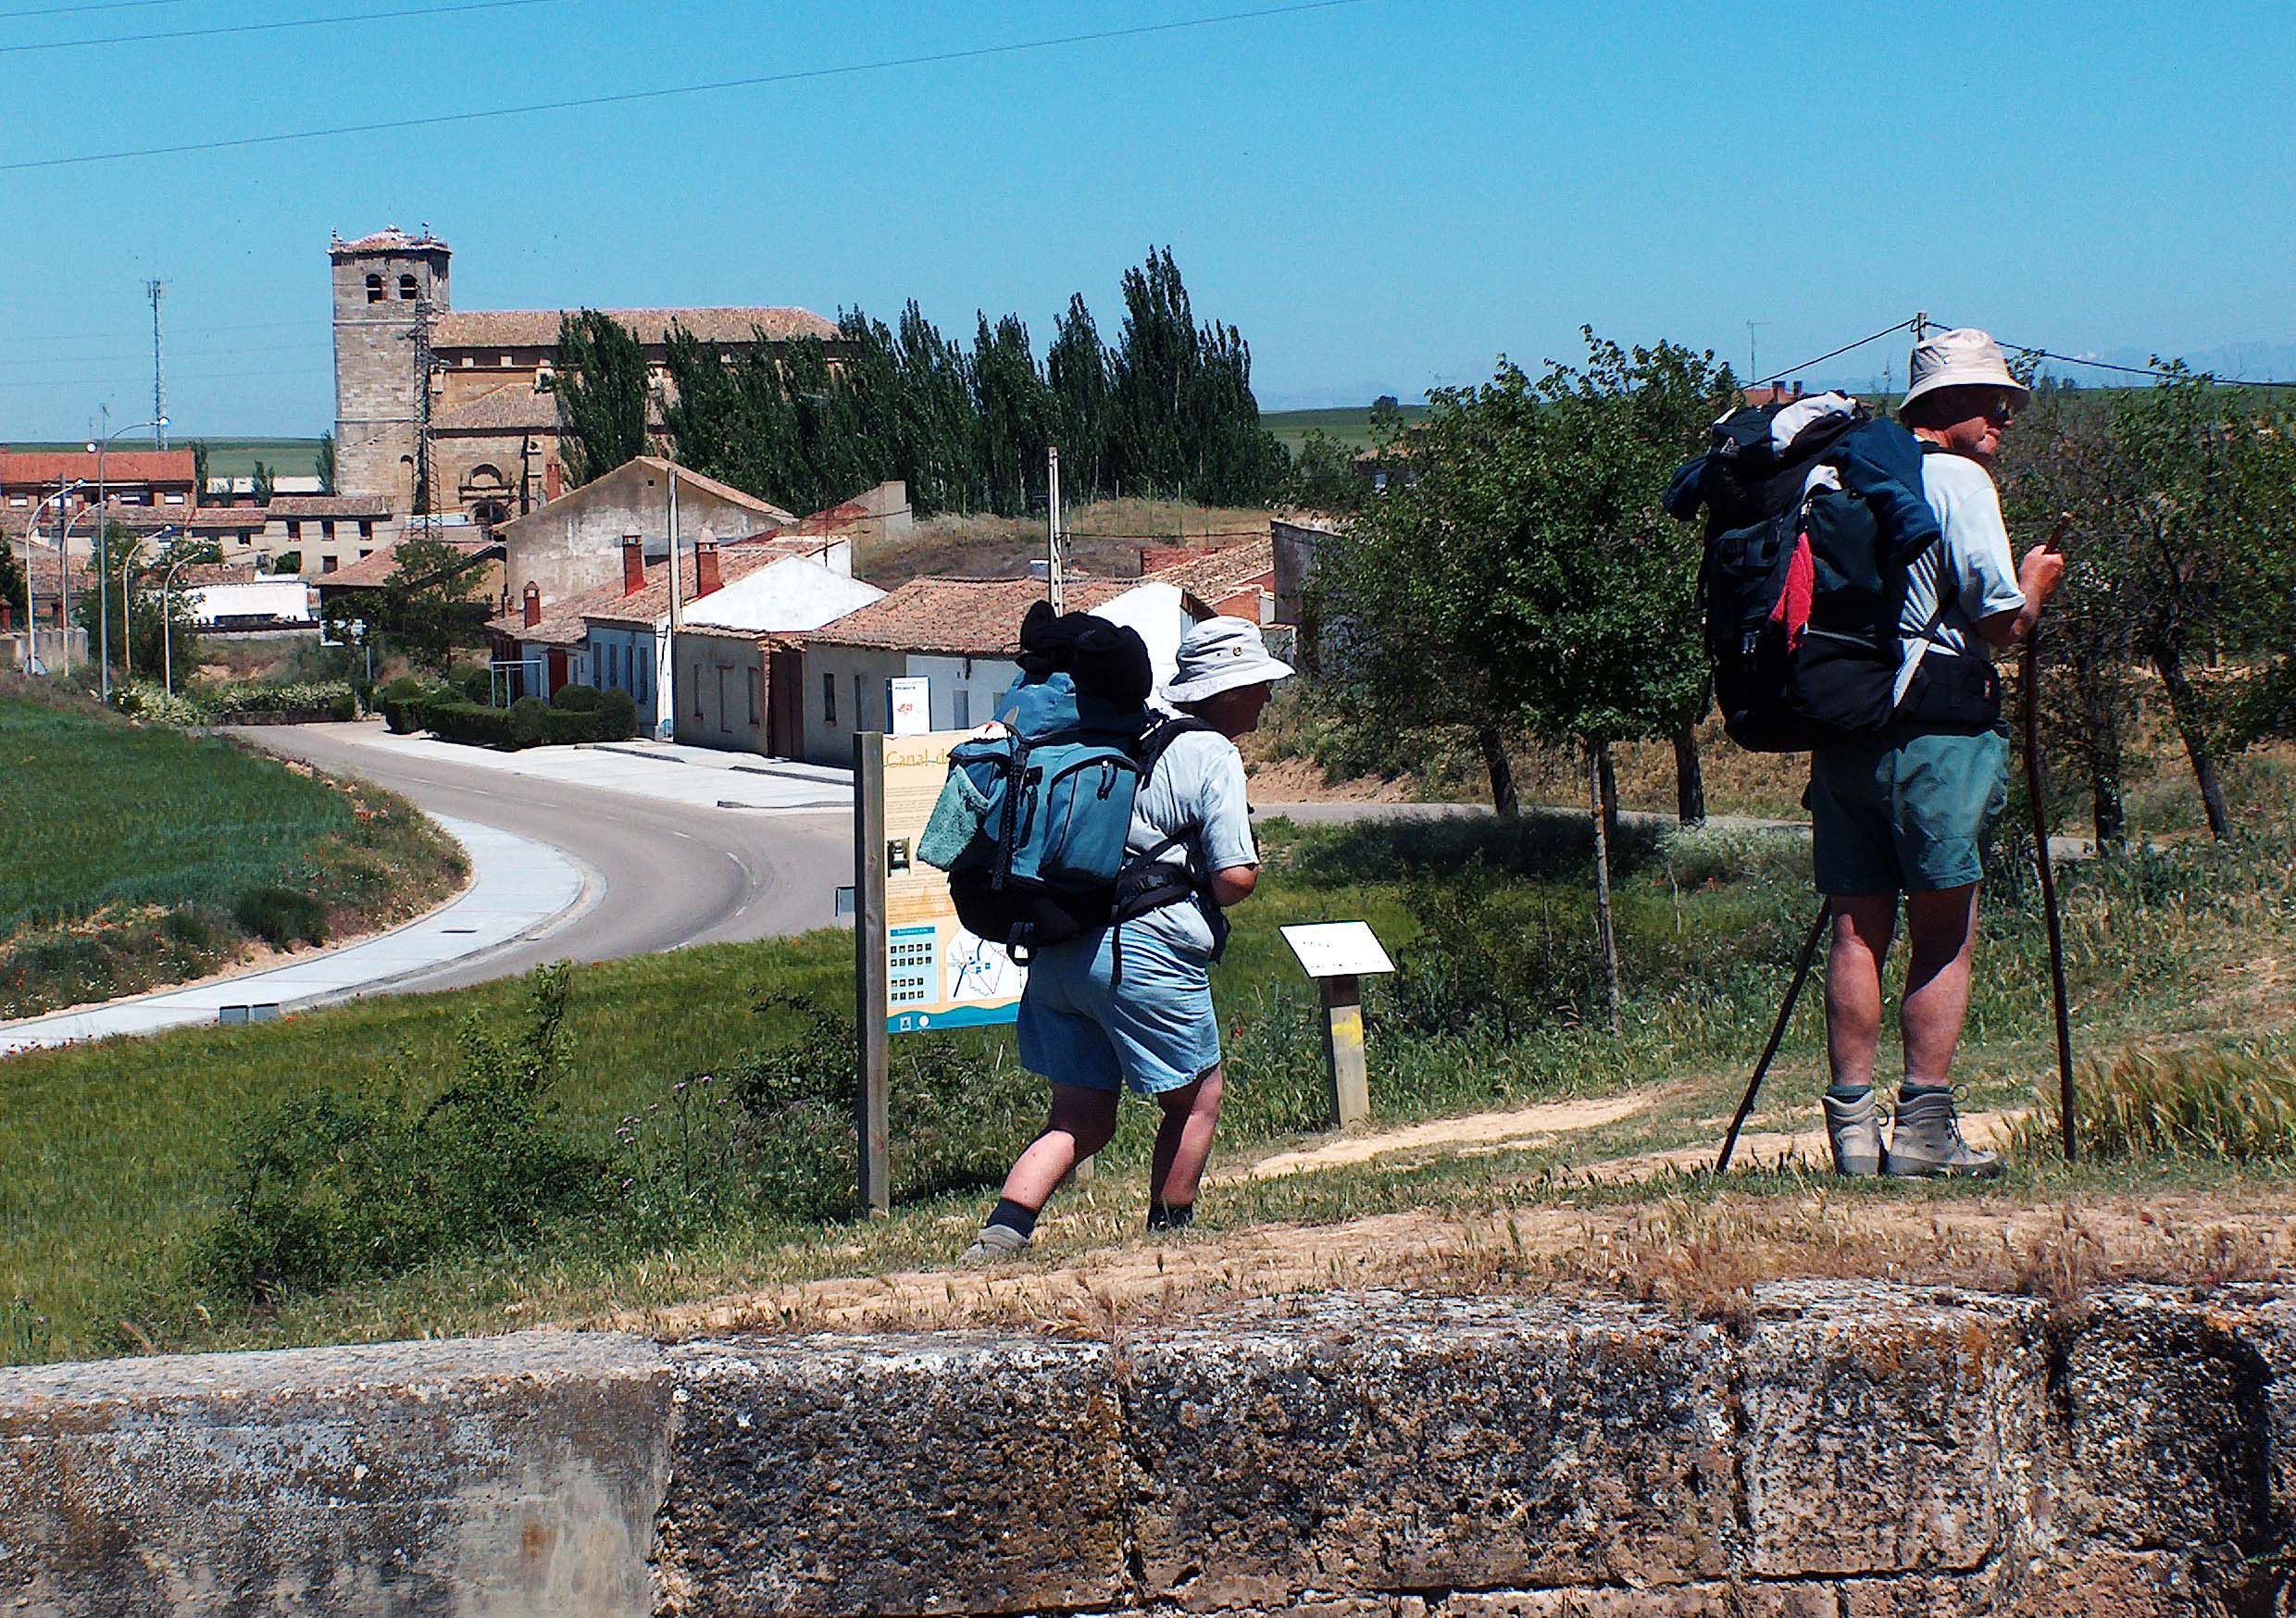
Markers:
<point>872,1099</point>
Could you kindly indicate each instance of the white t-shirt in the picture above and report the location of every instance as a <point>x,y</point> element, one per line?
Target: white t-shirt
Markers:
<point>1973,555</point>
<point>1198,782</point>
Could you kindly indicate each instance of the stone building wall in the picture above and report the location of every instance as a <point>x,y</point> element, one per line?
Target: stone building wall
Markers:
<point>375,397</point>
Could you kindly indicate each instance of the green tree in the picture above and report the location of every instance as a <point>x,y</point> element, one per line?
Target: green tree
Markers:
<point>1076,369</point>
<point>264,481</point>
<point>323,463</point>
<point>199,470</point>
<point>431,603</point>
<point>603,393</point>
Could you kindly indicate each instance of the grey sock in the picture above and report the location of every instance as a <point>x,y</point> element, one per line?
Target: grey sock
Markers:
<point>1913,1089</point>
<point>1849,1092</point>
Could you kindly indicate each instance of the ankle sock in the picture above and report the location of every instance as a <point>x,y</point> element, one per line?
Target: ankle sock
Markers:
<point>1013,1216</point>
<point>1171,1216</point>
<point>1913,1090</point>
<point>1849,1092</point>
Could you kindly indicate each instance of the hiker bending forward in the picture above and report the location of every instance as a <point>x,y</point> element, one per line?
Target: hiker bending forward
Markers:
<point>1093,1031</point>
<point>1907,810</point>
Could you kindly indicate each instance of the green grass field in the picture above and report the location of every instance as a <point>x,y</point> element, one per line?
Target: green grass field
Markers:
<point>227,458</point>
<point>134,850</point>
<point>120,1158</point>
<point>1351,425</point>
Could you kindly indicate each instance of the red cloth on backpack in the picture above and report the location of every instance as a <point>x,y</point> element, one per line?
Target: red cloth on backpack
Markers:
<point>1792,610</point>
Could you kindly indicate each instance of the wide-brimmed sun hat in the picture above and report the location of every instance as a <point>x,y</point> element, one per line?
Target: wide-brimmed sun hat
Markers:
<point>1963,357</point>
<point>1220,655</point>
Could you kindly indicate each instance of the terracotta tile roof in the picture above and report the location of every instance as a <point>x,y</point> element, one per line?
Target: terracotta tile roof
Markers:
<point>687,478</point>
<point>539,327</point>
<point>373,572</point>
<point>198,575</point>
<point>513,409</point>
<point>21,467</point>
<point>146,520</point>
<point>1217,574</point>
<point>301,506</point>
<point>42,567</point>
<point>960,618</point>
<point>648,606</point>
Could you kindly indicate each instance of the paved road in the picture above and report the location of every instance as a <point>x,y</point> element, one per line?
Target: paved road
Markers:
<point>672,874</point>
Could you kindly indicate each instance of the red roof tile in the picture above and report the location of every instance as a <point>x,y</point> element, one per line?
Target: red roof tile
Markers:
<point>960,618</point>
<point>499,328</point>
<point>1217,574</point>
<point>301,506</point>
<point>120,467</point>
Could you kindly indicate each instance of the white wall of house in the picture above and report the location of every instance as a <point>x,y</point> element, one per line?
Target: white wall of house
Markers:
<point>846,693</point>
<point>1158,612</point>
<point>964,690</point>
<point>722,693</point>
<point>285,600</point>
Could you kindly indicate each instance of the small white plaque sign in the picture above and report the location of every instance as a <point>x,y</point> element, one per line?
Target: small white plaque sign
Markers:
<point>1338,949</point>
<point>909,705</point>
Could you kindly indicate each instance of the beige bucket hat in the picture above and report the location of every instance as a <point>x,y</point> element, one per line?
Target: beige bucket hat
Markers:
<point>1963,357</point>
<point>1220,655</point>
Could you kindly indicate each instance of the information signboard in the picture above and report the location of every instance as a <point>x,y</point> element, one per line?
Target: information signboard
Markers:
<point>936,974</point>
<point>908,704</point>
<point>1338,949</point>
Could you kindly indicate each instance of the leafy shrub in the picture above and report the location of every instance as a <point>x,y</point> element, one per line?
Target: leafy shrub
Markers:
<point>474,682</point>
<point>473,722</point>
<point>407,684</point>
<point>617,717</point>
<point>577,699</point>
<point>287,562</point>
<point>1493,954</point>
<point>530,722</point>
<point>344,708</point>
<point>282,917</point>
<point>332,1189</point>
<point>404,715</point>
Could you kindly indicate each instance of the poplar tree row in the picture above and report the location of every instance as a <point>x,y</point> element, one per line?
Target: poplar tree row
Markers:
<point>1166,410</point>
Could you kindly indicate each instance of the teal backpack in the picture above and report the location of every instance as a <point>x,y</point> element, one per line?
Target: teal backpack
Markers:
<point>1032,824</point>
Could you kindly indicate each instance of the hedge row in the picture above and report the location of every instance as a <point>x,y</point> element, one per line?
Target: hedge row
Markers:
<point>579,714</point>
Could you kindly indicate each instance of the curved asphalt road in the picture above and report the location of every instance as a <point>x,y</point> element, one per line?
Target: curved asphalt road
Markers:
<point>671,875</point>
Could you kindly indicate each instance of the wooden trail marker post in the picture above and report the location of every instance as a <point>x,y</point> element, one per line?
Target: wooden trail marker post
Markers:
<point>1339,955</point>
<point>916,968</point>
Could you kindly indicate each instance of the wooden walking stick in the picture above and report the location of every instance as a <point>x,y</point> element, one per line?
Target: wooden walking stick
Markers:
<point>1777,1035</point>
<point>2036,789</point>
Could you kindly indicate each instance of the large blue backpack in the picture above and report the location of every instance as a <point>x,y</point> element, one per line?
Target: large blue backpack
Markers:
<point>1052,803</point>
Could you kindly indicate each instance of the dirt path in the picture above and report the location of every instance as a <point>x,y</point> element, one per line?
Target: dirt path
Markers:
<point>1532,1126</point>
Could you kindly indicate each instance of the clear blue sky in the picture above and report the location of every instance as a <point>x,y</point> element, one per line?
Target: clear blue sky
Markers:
<point>1383,196</point>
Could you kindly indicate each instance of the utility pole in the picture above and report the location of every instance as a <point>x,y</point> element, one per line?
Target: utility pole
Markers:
<point>1921,325</point>
<point>1055,561</point>
<point>1753,371</point>
<point>666,679</point>
<point>422,408</point>
<point>158,290</point>
<point>63,577</point>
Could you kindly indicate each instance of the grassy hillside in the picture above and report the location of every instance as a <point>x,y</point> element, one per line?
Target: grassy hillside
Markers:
<point>140,856</point>
<point>1348,426</point>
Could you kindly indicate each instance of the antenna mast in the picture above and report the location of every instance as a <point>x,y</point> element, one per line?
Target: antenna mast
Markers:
<point>157,289</point>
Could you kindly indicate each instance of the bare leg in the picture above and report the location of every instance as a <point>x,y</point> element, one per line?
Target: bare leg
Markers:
<point>1862,927</point>
<point>1184,1138</point>
<point>1940,930</point>
<point>1081,1123</point>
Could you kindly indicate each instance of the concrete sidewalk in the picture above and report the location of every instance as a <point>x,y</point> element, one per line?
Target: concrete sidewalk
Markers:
<point>698,777</point>
<point>518,887</point>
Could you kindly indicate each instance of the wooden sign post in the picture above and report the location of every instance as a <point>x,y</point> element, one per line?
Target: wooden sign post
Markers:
<point>1338,955</point>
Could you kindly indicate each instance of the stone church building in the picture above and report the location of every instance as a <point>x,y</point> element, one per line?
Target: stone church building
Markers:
<point>493,423</point>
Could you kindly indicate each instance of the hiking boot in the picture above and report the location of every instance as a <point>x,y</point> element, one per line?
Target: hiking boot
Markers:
<point>994,1246</point>
<point>1926,1142</point>
<point>1854,1128</point>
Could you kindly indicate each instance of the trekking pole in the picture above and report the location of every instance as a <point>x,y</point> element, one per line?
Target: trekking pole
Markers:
<point>1777,1035</point>
<point>2030,679</point>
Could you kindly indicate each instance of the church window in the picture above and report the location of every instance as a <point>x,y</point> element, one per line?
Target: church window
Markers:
<point>374,289</point>
<point>409,291</point>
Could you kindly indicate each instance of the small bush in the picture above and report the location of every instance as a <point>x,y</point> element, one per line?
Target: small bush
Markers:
<point>282,917</point>
<point>406,686</point>
<point>577,699</point>
<point>530,722</point>
<point>334,1190</point>
<point>405,716</point>
<point>344,708</point>
<point>472,722</point>
<point>474,682</point>
<point>617,717</point>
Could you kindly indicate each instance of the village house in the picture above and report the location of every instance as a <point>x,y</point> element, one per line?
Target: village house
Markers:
<point>574,544</point>
<point>962,635</point>
<point>343,592</point>
<point>218,596</point>
<point>161,480</point>
<point>1235,581</point>
<point>739,654</point>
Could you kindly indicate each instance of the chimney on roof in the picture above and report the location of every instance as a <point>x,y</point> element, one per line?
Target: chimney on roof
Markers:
<point>554,480</point>
<point>707,580</point>
<point>532,604</point>
<point>633,564</point>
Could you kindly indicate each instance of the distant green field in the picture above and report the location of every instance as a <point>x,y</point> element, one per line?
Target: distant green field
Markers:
<point>1350,426</point>
<point>227,458</point>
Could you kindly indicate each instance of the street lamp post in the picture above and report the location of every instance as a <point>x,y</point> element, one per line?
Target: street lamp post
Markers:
<point>126,608</point>
<point>103,572</point>
<point>167,620</point>
<point>32,621</point>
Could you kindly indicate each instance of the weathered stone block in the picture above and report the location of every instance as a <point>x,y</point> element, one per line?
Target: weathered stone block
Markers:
<point>508,1477</point>
<point>1384,1444</point>
<point>2163,1406</point>
<point>1701,1600</point>
<point>2111,1584</point>
<point>1886,1430</point>
<point>942,1473</point>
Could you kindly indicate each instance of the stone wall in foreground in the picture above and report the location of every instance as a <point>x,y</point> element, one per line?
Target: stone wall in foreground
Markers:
<point>1833,1451</point>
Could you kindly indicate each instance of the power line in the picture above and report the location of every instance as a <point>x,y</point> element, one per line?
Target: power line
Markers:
<point>19,340</point>
<point>1837,353</point>
<point>934,59</point>
<point>2148,372</point>
<point>96,5</point>
<point>137,39</point>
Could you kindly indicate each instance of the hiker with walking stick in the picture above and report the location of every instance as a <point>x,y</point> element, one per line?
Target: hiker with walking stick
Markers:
<point>1905,811</point>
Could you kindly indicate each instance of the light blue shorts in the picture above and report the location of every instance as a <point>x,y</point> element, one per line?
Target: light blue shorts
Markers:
<point>1905,813</point>
<point>1155,1033</point>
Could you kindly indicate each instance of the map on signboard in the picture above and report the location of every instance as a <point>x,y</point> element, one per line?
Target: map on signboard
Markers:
<point>937,974</point>
<point>1338,949</point>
